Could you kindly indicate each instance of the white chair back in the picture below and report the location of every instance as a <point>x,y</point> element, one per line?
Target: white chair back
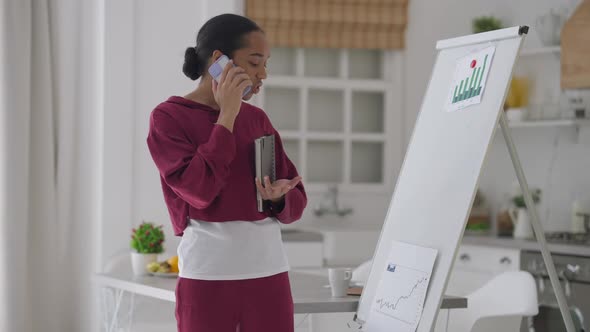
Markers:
<point>511,293</point>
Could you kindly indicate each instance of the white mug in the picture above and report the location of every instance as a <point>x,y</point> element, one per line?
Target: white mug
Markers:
<point>339,281</point>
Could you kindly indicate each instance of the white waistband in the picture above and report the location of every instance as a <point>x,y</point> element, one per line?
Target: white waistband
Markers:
<point>232,250</point>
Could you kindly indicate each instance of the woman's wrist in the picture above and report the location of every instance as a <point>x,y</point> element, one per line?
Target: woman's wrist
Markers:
<point>226,121</point>
<point>278,199</point>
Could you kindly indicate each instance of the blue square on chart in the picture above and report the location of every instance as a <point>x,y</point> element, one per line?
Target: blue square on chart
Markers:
<point>391,267</point>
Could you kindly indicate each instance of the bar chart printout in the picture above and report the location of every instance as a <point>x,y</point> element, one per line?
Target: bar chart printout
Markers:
<point>401,292</point>
<point>469,79</point>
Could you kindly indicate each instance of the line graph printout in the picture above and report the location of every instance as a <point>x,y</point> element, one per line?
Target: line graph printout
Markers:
<point>400,295</point>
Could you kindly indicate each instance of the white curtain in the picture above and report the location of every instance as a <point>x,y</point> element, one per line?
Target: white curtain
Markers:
<point>50,92</point>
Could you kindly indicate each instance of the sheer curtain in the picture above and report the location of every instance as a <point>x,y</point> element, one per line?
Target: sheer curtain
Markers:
<point>50,184</point>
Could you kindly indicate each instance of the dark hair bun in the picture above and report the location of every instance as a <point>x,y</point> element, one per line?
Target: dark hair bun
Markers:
<point>222,33</point>
<point>191,64</point>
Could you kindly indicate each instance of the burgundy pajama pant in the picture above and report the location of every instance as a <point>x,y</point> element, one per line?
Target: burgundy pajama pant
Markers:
<point>250,305</point>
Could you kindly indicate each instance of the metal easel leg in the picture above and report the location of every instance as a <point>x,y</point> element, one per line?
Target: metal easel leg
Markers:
<point>539,234</point>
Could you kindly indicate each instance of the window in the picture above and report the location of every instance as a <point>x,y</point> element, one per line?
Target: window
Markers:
<point>339,114</point>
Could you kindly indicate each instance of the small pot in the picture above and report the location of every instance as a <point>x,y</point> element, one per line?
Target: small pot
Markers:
<point>140,261</point>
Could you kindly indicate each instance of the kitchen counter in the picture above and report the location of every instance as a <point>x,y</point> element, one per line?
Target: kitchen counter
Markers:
<point>293,235</point>
<point>478,240</point>
<point>507,242</point>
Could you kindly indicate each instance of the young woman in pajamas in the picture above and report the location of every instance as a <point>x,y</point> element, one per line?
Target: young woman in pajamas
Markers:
<point>233,268</point>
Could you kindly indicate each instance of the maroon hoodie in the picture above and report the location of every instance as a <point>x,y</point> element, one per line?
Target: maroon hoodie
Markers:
<point>207,172</point>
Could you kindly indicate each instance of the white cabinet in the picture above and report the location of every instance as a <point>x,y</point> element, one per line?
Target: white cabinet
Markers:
<point>475,265</point>
<point>302,254</point>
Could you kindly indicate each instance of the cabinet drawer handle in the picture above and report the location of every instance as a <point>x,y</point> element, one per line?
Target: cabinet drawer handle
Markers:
<point>505,260</point>
<point>465,257</point>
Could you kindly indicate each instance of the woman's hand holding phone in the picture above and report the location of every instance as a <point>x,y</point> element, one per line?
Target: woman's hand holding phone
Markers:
<point>228,93</point>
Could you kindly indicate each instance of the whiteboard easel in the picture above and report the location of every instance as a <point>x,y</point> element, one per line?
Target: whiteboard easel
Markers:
<point>441,170</point>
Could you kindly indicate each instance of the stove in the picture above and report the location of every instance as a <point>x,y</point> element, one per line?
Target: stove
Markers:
<point>567,238</point>
<point>574,275</point>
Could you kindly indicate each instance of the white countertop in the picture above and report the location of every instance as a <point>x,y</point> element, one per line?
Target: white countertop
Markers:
<point>532,245</point>
<point>481,240</point>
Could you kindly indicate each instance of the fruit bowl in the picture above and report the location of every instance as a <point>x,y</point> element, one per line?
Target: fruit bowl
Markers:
<point>167,268</point>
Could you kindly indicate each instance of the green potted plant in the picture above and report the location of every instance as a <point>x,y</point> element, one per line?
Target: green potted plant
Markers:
<point>479,217</point>
<point>518,200</point>
<point>146,244</point>
<point>486,23</point>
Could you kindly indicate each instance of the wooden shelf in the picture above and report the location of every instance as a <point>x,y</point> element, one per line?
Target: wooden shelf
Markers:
<point>550,123</point>
<point>581,126</point>
<point>541,50</point>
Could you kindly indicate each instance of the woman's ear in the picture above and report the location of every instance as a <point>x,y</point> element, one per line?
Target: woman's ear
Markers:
<point>216,54</point>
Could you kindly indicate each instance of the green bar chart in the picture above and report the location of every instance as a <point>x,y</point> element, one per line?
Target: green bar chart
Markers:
<point>468,83</point>
<point>470,86</point>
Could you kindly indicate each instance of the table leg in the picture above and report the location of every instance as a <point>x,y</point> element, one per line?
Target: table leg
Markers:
<point>442,321</point>
<point>104,308</point>
<point>131,311</point>
<point>119,296</point>
<point>111,304</point>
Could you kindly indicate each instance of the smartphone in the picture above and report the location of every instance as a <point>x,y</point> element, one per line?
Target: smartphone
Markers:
<point>217,68</point>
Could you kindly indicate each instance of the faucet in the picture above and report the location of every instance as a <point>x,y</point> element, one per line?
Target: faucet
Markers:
<point>329,204</point>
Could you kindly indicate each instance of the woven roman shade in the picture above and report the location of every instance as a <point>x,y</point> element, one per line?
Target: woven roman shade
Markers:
<point>367,24</point>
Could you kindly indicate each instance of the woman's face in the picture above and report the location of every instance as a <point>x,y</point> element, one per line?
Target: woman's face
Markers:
<point>253,59</point>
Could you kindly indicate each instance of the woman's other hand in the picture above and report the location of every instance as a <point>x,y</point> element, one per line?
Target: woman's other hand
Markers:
<point>275,191</point>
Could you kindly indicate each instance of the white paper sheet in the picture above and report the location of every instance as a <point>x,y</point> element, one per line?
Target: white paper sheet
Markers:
<point>400,295</point>
<point>469,79</point>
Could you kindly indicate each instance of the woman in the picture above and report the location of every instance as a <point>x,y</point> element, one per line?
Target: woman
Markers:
<point>233,269</point>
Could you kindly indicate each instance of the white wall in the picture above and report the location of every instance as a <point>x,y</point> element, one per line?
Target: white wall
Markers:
<point>551,158</point>
<point>147,42</point>
<point>163,32</point>
<point>144,52</point>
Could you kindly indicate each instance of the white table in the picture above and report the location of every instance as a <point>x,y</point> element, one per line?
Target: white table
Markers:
<point>310,294</point>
